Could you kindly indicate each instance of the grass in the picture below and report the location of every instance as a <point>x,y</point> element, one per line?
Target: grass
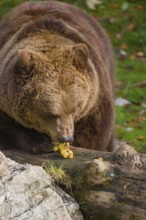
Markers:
<point>58,175</point>
<point>127,30</point>
<point>124,21</point>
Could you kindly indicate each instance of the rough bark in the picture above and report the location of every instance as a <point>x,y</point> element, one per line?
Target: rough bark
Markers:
<point>107,186</point>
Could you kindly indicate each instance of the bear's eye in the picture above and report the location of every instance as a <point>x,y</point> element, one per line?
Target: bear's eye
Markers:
<point>49,116</point>
<point>52,116</point>
<point>24,74</point>
<point>25,70</point>
<point>43,51</point>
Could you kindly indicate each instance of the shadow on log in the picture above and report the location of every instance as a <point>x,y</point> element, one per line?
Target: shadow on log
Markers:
<point>108,186</point>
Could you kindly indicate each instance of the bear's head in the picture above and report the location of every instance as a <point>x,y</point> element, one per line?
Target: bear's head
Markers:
<point>51,90</point>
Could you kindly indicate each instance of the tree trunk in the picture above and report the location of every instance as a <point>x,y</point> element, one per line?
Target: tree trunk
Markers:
<point>108,186</point>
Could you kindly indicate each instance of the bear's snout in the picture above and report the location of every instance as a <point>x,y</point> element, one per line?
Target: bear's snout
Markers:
<point>65,128</point>
<point>69,139</point>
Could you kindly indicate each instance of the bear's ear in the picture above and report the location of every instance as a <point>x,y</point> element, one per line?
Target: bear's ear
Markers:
<point>81,53</point>
<point>25,59</point>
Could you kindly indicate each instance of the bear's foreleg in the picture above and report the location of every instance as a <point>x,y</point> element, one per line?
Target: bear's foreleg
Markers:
<point>97,131</point>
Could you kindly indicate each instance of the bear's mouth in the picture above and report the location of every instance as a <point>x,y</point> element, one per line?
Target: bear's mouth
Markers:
<point>63,139</point>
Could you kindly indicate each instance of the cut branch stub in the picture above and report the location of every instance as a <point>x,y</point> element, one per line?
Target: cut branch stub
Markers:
<point>128,157</point>
<point>100,172</point>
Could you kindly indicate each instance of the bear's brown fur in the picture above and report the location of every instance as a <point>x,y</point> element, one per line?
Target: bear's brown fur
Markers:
<point>56,78</point>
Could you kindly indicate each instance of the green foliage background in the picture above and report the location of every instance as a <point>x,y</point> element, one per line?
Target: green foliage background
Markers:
<point>125,23</point>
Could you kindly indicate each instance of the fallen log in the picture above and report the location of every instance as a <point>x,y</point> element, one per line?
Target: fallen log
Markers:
<point>108,186</point>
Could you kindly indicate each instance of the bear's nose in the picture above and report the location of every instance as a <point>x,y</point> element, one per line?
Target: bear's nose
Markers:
<point>69,139</point>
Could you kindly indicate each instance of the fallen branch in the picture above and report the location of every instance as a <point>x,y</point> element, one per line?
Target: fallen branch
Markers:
<point>107,186</point>
<point>139,84</point>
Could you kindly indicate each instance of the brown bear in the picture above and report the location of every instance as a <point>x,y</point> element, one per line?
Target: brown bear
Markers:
<point>56,79</point>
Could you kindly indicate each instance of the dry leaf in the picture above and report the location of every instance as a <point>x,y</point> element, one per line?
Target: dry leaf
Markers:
<point>140,54</point>
<point>119,84</point>
<point>116,5</point>
<point>141,118</point>
<point>139,7</point>
<point>117,126</point>
<point>140,137</point>
<point>131,27</point>
<point>132,57</point>
<point>123,46</point>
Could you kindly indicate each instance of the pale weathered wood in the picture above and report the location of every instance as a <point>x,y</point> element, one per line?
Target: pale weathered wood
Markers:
<point>113,188</point>
<point>28,192</point>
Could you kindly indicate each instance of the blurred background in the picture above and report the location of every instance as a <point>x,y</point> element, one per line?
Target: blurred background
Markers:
<point>125,23</point>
